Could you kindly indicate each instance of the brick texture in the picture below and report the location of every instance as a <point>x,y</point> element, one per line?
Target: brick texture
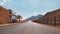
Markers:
<point>4,15</point>
<point>52,17</point>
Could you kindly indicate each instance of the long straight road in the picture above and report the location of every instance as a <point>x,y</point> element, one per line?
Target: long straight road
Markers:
<point>29,28</point>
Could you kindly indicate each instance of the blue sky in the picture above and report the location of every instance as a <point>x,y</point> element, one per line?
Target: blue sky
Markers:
<point>29,8</point>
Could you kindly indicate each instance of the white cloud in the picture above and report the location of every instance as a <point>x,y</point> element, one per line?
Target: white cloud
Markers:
<point>1,3</point>
<point>4,1</point>
<point>36,13</point>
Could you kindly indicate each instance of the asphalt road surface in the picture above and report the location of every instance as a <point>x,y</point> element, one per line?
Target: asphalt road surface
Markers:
<point>29,28</point>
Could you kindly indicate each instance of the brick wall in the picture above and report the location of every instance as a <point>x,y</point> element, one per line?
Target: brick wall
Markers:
<point>4,15</point>
<point>52,17</point>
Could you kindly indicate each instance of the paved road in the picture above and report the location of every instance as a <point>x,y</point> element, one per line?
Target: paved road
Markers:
<point>29,28</point>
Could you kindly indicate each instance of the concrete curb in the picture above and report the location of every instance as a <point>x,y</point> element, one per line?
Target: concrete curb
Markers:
<point>7,24</point>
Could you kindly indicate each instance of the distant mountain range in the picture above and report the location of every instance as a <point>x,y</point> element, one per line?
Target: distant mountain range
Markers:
<point>34,17</point>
